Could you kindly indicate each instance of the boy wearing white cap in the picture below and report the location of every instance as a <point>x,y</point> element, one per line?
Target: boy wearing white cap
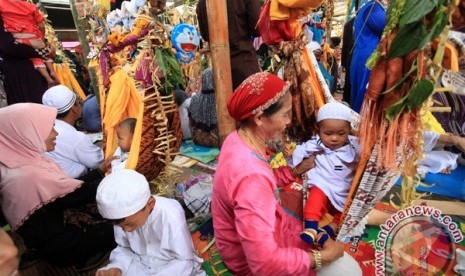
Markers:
<point>337,155</point>
<point>151,231</point>
<point>74,152</point>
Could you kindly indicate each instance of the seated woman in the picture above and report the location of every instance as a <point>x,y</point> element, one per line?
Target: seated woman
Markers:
<point>202,113</point>
<point>253,233</point>
<point>35,192</point>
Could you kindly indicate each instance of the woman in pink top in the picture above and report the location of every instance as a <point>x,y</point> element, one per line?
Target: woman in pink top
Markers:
<point>253,233</point>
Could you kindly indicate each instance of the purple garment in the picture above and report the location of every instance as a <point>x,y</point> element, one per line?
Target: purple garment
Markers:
<point>22,82</point>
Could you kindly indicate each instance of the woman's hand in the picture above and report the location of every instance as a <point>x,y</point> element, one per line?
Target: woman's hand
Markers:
<point>288,149</point>
<point>106,165</point>
<point>8,255</point>
<point>53,51</point>
<point>331,251</point>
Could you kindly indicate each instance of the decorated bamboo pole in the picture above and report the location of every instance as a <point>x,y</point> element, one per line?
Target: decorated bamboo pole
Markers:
<point>329,18</point>
<point>84,44</point>
<point>219,48</point>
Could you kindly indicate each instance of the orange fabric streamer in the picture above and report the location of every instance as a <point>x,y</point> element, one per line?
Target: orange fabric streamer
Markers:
<point>317,89</point>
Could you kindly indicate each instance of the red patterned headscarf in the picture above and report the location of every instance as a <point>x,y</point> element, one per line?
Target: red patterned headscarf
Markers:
<point>255,94</point>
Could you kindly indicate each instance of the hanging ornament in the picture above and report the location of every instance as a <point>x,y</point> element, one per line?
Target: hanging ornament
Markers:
<point>186,41</point>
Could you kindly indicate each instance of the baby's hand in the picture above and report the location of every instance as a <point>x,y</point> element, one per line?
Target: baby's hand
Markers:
<point>288,149</point>
<point>109,272</point>
<point>106,165</point>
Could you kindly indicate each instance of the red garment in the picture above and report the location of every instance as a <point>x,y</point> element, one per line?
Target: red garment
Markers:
<point>255,94</point>
<point>21,17</point>
<point>253,233</point>
<point>318,205</point>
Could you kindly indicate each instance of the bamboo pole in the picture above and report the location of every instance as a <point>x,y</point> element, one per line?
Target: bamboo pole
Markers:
<point>219,48</point>
<point>81,31</point>
<point>440,109</point>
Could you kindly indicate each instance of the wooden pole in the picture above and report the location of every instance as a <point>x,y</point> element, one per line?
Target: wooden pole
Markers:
<point>81,31</point>
<point>219,48</point>
<point>329,19</point>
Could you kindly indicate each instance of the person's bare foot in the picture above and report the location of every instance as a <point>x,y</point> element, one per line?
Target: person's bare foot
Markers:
<point>446,171</point>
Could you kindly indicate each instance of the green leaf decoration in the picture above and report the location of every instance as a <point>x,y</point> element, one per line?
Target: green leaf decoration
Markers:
<point>414,99</point>
<point>161,61</point>
<point>395,109</point>
<point>416,10</point>
<point>171,69</point>
<point>440,21</point>
<point>407,39</point>
<point>390,9</point>
<point>419,93</point>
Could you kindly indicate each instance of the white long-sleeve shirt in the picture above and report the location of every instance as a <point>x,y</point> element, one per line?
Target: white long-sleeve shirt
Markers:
<point>334,169</point>
<point>184,117</point>
<point>436,160</point>
<point>162,246</point>
<point>74,151</point>
<point>120,163</point>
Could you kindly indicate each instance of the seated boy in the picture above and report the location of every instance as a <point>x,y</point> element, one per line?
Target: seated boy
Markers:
<point>151,231</point>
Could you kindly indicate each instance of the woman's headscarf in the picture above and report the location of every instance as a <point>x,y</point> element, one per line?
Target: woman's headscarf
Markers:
<point>202,109</point>
<point>28,179</point>
<point>255,94</point>
<point>207,80</point>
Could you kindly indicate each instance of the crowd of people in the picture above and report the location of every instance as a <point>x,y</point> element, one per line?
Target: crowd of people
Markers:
<point>73,207</point>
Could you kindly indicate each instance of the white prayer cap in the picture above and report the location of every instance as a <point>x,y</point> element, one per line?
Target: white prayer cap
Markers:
<point>337,111</point>
<point>122,193</point>
<point>60,97</point>
<point>312,46</point>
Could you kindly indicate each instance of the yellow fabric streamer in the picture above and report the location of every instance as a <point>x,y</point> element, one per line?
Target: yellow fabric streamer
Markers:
<point>292,10</point>
<point>327,52</point>
<point>141,22</point>
<point>451,56</point>
<point>123,101</point>
<point>57,69</point>
<point>66,78</point>
<point>73,82</point>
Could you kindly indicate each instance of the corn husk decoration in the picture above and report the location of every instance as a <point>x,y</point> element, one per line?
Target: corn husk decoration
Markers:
<point>141,88</point>
<point>401,80</point>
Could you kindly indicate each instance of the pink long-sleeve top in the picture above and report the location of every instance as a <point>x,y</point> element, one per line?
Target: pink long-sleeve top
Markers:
<point>253,233</point>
